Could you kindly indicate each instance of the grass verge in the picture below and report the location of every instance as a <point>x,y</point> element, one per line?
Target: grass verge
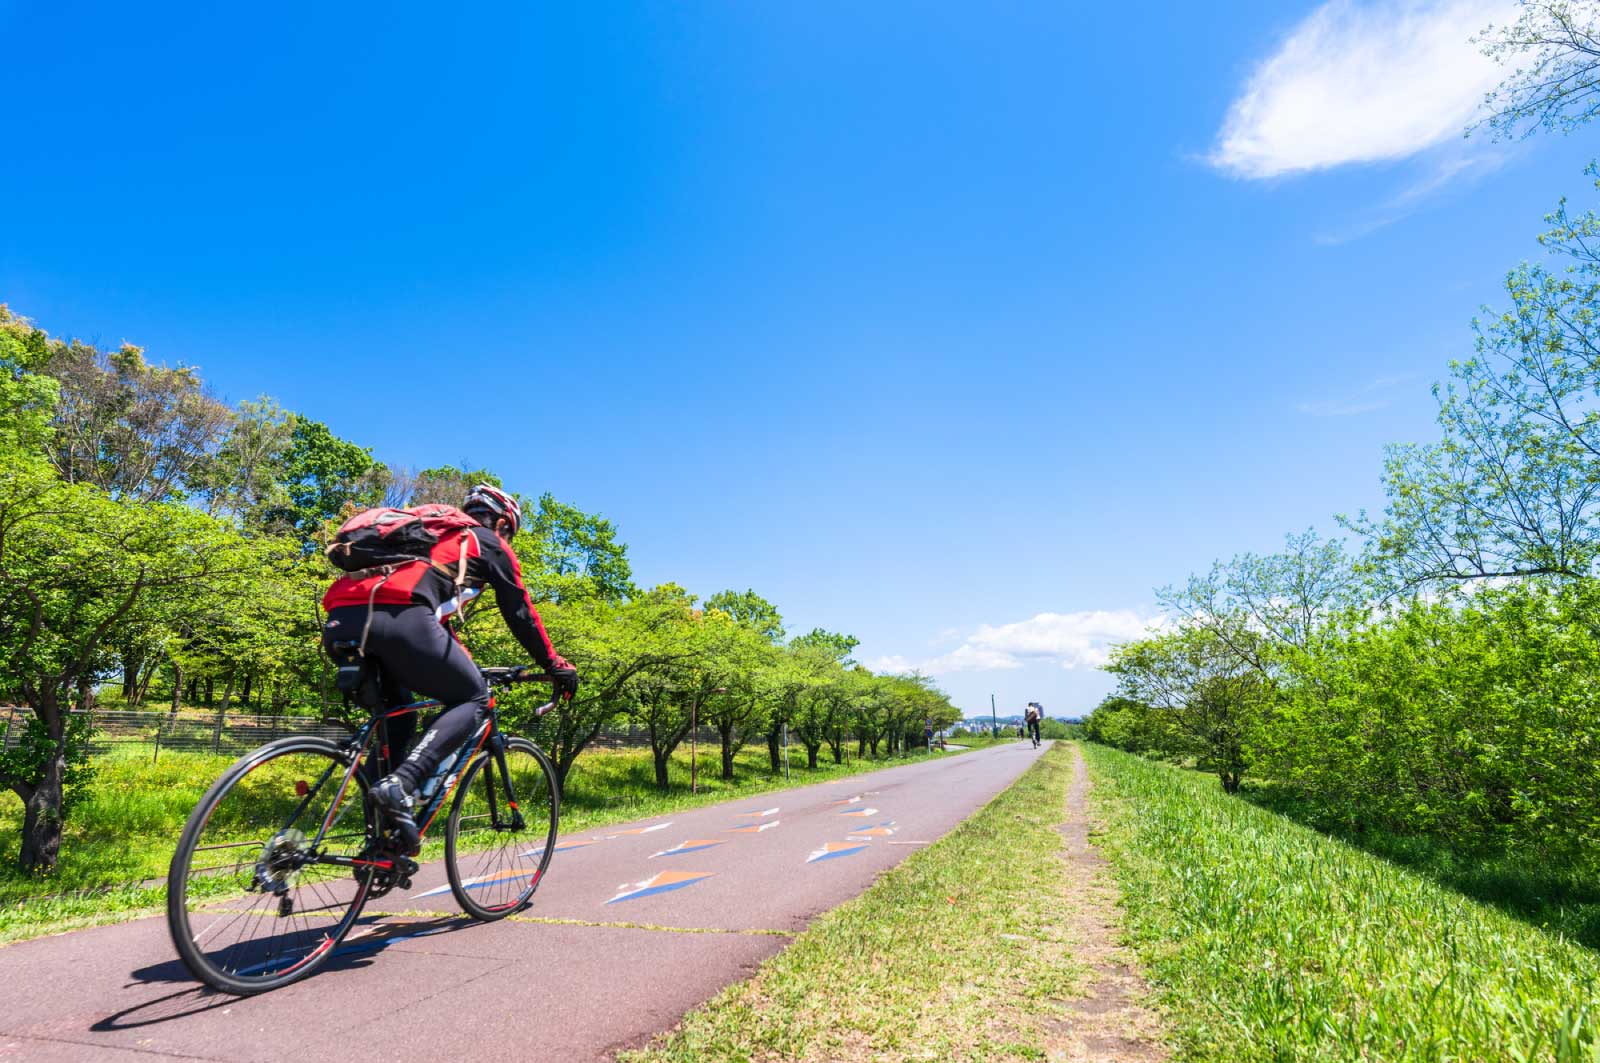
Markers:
<point>955,954</point>
<point>1269,941</point>
<point>122,827</point>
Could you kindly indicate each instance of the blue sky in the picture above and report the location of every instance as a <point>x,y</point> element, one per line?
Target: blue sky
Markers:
<point>958,327</point>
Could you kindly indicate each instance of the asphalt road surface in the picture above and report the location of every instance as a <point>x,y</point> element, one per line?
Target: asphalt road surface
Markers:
<point>604,958</point>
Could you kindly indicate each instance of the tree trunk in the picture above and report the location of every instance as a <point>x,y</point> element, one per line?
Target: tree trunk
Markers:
<point>775,748</point>
<point>244,695</point>
<point>727,750</point>
<point>660,757</point>
<point>811,755</point>
<point>210,692</point>
<point>41,817</point>
<point>131,666</point>
<point>177,688</point>
<point>144,683</point>
<point>874,746</point>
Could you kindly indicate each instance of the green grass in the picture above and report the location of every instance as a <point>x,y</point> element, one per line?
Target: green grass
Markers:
<point>1269,941</point>
<point>955,954</point>
<point>122,828</point>
<point>1558,892</point>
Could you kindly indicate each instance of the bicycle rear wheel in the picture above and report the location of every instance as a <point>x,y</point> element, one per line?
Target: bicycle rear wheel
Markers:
<point>495,852</point>
<point>249,906</point>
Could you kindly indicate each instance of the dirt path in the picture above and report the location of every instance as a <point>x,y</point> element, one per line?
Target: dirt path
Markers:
<point>1109,1022</point>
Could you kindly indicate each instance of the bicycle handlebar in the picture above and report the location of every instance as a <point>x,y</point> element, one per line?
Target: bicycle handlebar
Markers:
<point>516,674</point>
<point>520,674</point>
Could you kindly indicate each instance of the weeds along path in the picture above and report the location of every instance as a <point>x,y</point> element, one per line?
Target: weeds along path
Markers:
<point>1265,940</point>
<point>635,924</point>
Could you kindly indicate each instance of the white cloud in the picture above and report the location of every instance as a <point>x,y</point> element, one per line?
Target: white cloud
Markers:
<point>1362,82</point>
<point>1374,396</point>
<point>1071,640</point>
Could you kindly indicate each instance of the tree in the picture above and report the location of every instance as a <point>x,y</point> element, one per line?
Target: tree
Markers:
<point>322,474</point>
<point>1508,491</point>
<point>27,396</point>
<point>577,553</point>
<point>1259,606</point>
<point>242,480</point>
<point>610,643</point>
<point>444,484</point>
<point>135,430</point>
<point>837,646</point>
<point>1554,48</point>
<point>77,567</point>
<point>1206,692</point>
<point>750,610</point>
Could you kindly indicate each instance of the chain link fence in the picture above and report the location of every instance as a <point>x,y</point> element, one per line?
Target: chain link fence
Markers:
<point>115,732</point>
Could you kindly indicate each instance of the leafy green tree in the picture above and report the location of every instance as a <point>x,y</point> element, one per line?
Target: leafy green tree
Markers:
<point>322,475</point>
<point>837,646</point>
<point>242,480</point>
<point>1553,50</point>
<point>751,611</point>
<point>577,553</point>
<point>1508,490</point>
<point>1208,695</point>
<point>27,396</point>
<point>137,431</point>
<point>75,568</point>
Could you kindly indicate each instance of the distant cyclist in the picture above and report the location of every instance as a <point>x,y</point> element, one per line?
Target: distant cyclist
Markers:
<point>1034,714</point>
<point>401,616</point>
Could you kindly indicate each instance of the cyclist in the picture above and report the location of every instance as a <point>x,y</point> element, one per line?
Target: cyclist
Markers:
<point>1035,711</point>
<point>404,616</point>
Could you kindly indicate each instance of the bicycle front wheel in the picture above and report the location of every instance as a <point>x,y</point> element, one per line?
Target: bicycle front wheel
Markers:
<point>250,904</point>
<point>502,830</point>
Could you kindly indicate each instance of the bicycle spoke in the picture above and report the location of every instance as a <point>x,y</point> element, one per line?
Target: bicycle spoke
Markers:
<point>486,855</point>
<point>254,902</point>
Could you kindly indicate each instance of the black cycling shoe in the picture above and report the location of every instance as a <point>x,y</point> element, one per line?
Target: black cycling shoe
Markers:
<point>394,800</point>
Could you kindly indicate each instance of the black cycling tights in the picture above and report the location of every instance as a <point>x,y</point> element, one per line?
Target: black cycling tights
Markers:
<point>419,658</point>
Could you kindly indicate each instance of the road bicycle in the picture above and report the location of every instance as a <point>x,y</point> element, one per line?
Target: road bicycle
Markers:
<point>280,856</point>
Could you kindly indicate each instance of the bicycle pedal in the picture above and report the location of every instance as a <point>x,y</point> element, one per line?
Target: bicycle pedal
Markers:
<point>407,867</point>
<point>404,883</point>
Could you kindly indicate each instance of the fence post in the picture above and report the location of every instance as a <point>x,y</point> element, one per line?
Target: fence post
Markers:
<point>216,736</point>
<point>157,754</point>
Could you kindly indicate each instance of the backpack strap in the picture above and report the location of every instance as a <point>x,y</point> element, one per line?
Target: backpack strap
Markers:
<point>372,599</point>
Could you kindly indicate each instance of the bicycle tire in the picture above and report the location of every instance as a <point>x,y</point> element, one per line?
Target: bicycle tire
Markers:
<point>343,890</point>
<point>501,870</point>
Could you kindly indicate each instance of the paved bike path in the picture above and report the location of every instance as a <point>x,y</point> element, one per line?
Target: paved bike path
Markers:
<point>634,925</point>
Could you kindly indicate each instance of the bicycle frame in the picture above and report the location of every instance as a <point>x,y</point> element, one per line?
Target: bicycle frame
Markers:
<point>439,786</point>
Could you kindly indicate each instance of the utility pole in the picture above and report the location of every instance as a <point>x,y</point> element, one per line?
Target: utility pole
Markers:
<point>994,720</point>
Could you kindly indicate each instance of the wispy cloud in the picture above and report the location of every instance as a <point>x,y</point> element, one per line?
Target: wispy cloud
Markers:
<point>1070,640</point>
<point>1456,164</point>
<point>1362,82</point>
<point>1373,396</point>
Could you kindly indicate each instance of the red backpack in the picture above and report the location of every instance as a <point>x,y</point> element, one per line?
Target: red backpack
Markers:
<point>378,538</point>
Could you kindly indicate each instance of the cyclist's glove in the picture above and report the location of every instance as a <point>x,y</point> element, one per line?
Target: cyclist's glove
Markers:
<point>566,676</point>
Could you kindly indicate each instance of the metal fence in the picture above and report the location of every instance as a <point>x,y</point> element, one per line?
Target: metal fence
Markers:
<point>152,734</point>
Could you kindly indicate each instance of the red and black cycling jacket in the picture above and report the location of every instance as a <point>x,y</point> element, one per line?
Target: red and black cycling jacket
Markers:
<point>432,583</point>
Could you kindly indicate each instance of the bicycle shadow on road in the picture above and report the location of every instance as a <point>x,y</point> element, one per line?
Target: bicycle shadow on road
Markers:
<point>370,936</point>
